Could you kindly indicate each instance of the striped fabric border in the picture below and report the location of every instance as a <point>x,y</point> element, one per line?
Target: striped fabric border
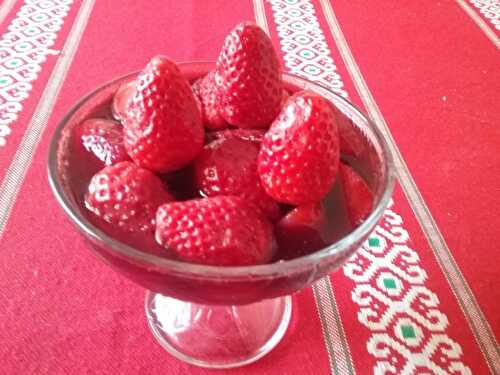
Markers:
<point>23,51</point>
<point>260,15</point>
<point>483,26</point>
<point>339,354</point>
<point>14,177</point>
<point>490,9</point>
<point>5,9</point>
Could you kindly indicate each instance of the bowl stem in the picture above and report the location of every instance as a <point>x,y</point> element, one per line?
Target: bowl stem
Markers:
<point>217,336</point>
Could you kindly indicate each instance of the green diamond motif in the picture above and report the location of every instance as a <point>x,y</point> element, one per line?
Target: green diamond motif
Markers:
<point>390,283</point>
<point>408,332</point>
<point>298,25</point>
<point>291,1</point>
<point>306,53</point>
<point>373,242</point>
<point>302,39</point>
<point>311,70</point>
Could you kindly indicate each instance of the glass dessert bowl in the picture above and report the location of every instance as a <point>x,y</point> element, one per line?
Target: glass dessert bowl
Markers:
<point>212,316</point>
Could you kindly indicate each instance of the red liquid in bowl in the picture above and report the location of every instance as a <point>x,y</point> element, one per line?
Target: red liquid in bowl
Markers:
<point>301,241</point>
<point>76,166</point>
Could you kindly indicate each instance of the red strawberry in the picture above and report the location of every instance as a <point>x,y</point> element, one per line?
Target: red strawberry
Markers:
<point>299,156</point>
<point>223,231</point>
<point>357,194</point>
<point>104,139</point>
<point>121,99</point>
<point>126,196</point>
<point>248,78</point>
<point>163,130</point>
<point>228,166</point>
<point>254,135</point>
<point>302,231</point>
<point>205,90</point>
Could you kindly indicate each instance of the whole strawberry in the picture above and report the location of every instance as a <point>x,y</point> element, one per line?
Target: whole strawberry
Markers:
<point>357,195</point>
<point>104,139</point>
<point>163,130</point>
<point>228,166</point>
<point>123,95</point>
<point>299,156</point>
<point>222,231</point>
<point>205,91</point>
<point>126,196</point>
<point>248,78</point>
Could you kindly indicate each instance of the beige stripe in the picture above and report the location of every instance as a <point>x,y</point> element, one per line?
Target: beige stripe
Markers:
<point>475,317</point>
<point>339,356</point>
<point>490,34</point>
<point>5,8</point>
<point>14,177</point>
<point>260,15</point>
<point>338,350</point>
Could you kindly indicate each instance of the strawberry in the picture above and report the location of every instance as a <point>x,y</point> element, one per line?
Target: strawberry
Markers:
<point>254,135</point>
<point>222,231</point>
<point>121,99</point>
<point>299,156</point>
<point>357,195</point>
<point>228,166</point>
<point>248,78</point>
<point>163,129</point>
<point>303,230</point>
<point>104,139</point>
<point>126,196</point>
<point>205,90</point>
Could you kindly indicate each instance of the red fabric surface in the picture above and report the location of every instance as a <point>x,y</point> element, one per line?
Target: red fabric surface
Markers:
<point>66,312</point>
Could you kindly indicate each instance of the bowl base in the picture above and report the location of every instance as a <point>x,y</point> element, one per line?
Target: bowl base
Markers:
<point>217,336</point>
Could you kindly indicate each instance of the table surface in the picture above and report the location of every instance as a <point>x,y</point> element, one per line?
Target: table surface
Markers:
<point>422,294</point>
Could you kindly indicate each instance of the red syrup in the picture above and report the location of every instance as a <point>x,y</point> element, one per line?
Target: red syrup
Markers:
<point>294,240</point>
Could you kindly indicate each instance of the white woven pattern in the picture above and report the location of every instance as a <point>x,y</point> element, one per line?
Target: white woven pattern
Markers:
<point>23,50</point>
<point>490,9</point>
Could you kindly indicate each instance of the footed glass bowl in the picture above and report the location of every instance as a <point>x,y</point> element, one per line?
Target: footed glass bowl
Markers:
<point>222,317</point>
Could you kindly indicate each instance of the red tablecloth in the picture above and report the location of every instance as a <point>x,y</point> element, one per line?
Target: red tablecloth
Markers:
<point>421,296</point>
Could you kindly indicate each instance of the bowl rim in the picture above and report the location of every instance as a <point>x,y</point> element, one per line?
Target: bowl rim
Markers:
<point>219,272</point>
